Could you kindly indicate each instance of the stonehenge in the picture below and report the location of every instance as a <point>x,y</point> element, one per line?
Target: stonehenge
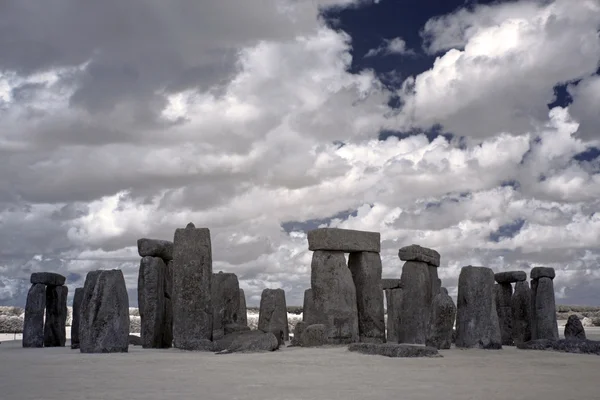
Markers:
<point>443,315</point>
<point>273,313</point>
<point>45,311</point>
<point>544,325</point>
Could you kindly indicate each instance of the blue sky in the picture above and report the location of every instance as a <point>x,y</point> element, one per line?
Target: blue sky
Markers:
<point>467,126</point>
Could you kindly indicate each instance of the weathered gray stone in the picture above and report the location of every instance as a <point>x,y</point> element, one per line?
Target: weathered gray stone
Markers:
<point>366,273</point>
<point>394,350</point>
<point>167,337</point>
<point>544,311</point>
<point>55,334</point>
<point>436,283</point>
<point>151,301</point>
<point>298,330</point>
<point>47,278</point>
<point>414,252</point>
<point>243,311</point>
<point>308,306</point>
<point>394,306</point>
<point>33,324</point>
<point>272,314</point>
<point>563,345</point>
<point>574,328</point>
<point>477,319</point>
<point>77,298</point>
<point>510,276</point>
<point>534,284</point>
<point>416,308</point>
<point>225,299</point>
<point>231,328</point>
<point>155,248</point>
<point>388,283</point>
<point>104,317</point>
<point>334,297</point>
<point>247,342</point>
<point>346,240</point>
<point>192,281</point>
<point>443,314</point>
<point>542,272</point>
<point>521,313</point>
<point>135,340</point>
<point>314,335</point>
<point>503,292</point>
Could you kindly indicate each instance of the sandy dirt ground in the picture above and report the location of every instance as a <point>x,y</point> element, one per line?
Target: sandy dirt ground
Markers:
<point>295,373</point>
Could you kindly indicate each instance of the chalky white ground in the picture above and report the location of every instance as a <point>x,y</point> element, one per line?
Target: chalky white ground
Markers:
<point>295,373</point>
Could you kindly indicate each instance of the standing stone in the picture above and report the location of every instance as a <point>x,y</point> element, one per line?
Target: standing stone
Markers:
<point>546,326</point>
<point>167,331</point>
<point>192,281</point>
<point>298,330</point>
<point>443,314</point>
<point>308,306</point>
<point>477,319</point>
<point>366,273</point>
<point>272,315</point>
<point>55,334</point>
<point>225,299</point>
<point>534,284</point>
<point>394,305</point>
<point>77,298</point>
<point>436,283</point>
<point>416,308</point>
<point>104,317</point>
<point>521,313</point>
<point>33,325</point>
<point>334,297</point>
<point>243,310</point>
<point>504,308</point>
<point>574,328</point>
<point>151,301</point>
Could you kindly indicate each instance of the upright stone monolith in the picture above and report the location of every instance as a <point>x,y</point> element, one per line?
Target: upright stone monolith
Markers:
<point>574,329</point>
<point>443,314</point>
<point>104,316</point>
<point>273,312</point>
<point>56,316</point>
<point>243,310</point>
<point>544,306</point>
<point>393,299</point>
<point>366,273</point>
<point>77,298</point>
<point>33,325</point>
<point>477,319</point>
<point>308,305</point>
<point>334,297</point>
<point>192,281</point>
<point>415,310</point>
<point>151,301</point>
<point>521,313</point>
<point>226,302</point>
<point>167,337</point>
<point>503,293</point>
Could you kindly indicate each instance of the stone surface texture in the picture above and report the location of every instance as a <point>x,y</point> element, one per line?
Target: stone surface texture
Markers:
<point>366,273</point>
<point>155,248</point>
<point>510,276</point>
<point>393,299</point>
<point>104,317</point>
<point>151,301</point>
<point>55,334</point>
<point>414,252</point>
<point>544,310</point>
<point>503,293</point>
<point>308,307</point>
<point>273,312</point>
<point>334,297</point>
<point>298,330</point>
<point>346,240</point>
<point>314,335</point>
<point>477,319</point>
<point>247,342</point>
<point>192,281</point>
<point>415,310</point>
<point>77,298</point>
<point>33,324</point>
<point>574,328</point>
<point>443,315</point>
<point>542,272</point>
<point>48,278</point>
<point>521,313</point>
<point>243,310</point>
<point>394,350</point>
<point>225,299</point>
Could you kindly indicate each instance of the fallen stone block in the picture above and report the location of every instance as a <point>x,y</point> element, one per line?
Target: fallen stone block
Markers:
<point>155,248</point>
<point>346,240</point>
<point>563,345</point>
<point>394,350</point>
<point>48,278</point>
<point>510,276</point>
<point>247,342</point>
<point>414,252</point>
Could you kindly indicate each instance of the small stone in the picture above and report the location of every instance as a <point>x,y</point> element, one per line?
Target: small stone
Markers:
<point>542,272</point>
<point>574,328</point>
<point>56,316</point>
<point>155,248</point>
<point>394,350</point>
<point>273,312</point>
<point>414,252</point>
<point>77,298</point>
<point>510,276</point>
<point>33,324</point>
<point>48,278</point>
<point>247,342</point>
<point>298,330</point>
<point>346,240</point>
<point>314,335</point>
<point>563,345</point>
<point>443,315</point>
<point>390,284</point>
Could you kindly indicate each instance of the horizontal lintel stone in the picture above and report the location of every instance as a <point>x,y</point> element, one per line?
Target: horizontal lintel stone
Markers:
<point>346,240</point>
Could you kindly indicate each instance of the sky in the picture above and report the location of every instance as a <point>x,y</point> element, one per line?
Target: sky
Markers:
<point>470,127</point>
